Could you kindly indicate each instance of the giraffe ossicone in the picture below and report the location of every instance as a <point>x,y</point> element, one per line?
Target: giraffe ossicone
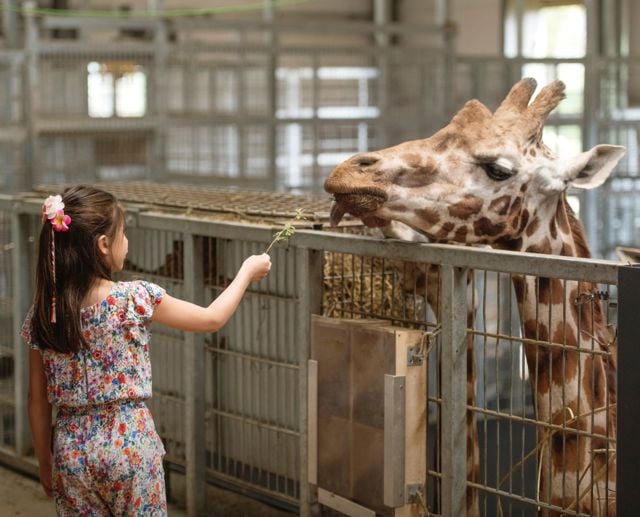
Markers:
<point>488,178</point>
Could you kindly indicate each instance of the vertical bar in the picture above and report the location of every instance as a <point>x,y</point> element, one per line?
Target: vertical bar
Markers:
<point>194,358</point>
<point>589,212</point>
<point>26,181</point>
<point>394,444</point>
<point>628,463</point>
<point>10,22</point>
<point>381,16</point>
<point>309,279</point>
<point>454,390</point>
<point>21,299</point>
<point>158,164</point>
<point>272,85</point>
<point>312,410</point>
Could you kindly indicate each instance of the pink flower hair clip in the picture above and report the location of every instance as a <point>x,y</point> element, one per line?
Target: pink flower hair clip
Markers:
<point>53,211</point>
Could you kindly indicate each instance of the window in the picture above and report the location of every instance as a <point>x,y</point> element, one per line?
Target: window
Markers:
<point>116,89</point>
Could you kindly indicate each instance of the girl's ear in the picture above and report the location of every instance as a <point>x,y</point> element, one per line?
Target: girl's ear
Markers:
<point>103,245</point>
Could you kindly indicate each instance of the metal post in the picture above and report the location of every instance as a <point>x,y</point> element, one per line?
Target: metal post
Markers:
<point>272,92</point>
<point>590,209</point>
<point>628,462</point>
<point>443,19</point>
<point>10,22</point>
<point>381,19</point>
<point>21,301</point>
<point>26,181</point>
<point>309,265</point>
<point>160,82</point>
<point>454,390</point>
<point>194,359</point>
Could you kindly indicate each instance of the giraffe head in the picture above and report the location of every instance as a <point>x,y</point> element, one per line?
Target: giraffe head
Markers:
<point>481,179</point>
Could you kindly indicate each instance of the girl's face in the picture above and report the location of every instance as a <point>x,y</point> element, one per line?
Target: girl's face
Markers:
<point>118,251</point>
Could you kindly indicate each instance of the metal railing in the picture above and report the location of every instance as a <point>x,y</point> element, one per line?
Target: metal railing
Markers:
<point>247,383</point>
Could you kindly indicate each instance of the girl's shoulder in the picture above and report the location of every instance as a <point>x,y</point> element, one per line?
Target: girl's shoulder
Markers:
<point>137,289</point>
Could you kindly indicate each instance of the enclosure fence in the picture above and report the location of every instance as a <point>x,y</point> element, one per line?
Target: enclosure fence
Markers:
<point>232,407</point>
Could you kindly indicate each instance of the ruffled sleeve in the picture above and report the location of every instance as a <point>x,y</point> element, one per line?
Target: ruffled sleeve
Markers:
<point>146,296</point>
<point>26,331</point>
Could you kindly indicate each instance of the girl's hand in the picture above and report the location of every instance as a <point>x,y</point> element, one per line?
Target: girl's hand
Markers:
<point>256,267</point>
<point>46,478</point>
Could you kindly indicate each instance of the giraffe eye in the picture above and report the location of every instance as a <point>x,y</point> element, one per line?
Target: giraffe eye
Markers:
<point>496,171</point>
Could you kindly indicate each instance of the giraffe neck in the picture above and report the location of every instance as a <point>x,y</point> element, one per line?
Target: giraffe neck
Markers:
<point>571,372</point>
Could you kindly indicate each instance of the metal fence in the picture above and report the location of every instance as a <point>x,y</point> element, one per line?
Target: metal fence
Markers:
<point>248,382</point>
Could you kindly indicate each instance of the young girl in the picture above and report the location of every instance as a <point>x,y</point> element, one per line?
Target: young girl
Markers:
<point>89,356</point>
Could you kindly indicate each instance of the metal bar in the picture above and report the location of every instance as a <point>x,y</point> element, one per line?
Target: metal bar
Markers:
<point>312,409</point>
<point>21,298</point>
<point>454,390</point>
<point>309,269</point>
<point>628,463</point>
<point>394,442</point>
<point>343,505</point>
<point>194,358</point>
<point>568,268</point>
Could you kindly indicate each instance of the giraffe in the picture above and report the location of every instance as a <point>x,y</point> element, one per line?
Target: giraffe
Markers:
<point>487,178</point>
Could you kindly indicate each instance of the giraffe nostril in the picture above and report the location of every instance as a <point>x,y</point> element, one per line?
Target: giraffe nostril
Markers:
<point>365,161</point>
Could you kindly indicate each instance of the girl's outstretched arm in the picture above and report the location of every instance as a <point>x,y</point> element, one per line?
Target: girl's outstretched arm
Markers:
<point>39,410</point>
<point>184,315</point>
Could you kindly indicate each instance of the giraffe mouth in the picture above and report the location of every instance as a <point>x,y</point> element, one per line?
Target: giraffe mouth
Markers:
<point>359,205</point>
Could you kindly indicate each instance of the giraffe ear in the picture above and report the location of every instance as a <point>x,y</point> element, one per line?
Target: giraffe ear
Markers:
<point>591,168</point>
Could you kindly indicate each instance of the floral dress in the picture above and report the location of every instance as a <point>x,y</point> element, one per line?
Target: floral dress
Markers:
<point>106,452</point>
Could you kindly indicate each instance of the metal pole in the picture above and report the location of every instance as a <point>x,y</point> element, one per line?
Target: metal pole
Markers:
<point>26,181</point>
<point>272,92</point>
<point>194,359</point>
<point>21,301</point>
<point>628,463</point>
<point>309,266</point>
<point>590,211</point>
<point>160,83</point>
<point>10,22</point>
<point>454,390</point>
<point>381,19</point>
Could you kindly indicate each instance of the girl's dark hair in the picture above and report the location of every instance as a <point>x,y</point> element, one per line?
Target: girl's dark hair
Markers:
<point>79,263</point>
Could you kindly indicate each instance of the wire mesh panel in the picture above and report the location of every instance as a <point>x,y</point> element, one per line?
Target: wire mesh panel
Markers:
<point>252,406</point>
<point>546,399</point>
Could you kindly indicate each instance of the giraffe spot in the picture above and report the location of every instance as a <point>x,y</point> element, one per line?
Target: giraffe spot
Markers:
<point>461,233</point>
<point>445,230</point>
<point>594,381</point>
<point>524,220</point>
<point>500,205</point>
<point>518,285</point>
<point>549,290</point>
<point>562,219</point>
<point>552,228</point>
<point>507,243</point>
<point>468,206</point>
<point>532,151</point>
<point>567,250</point>
<point>524,187</point>
<point>565,452</point>
<point>543,247</point>
<point>412,160</point>
<point>536,330</point>
<point>414,178</point>
<point>445,141</point>
<point>430,216</point>
<point>484,227</point>
<point>565,361</point>
<point>533,226</point>
<point>515,206</point>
